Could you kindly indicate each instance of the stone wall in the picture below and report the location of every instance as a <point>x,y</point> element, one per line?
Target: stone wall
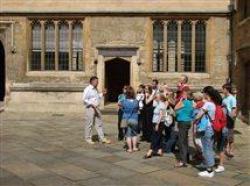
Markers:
<point>242,68</point>
<point>114,6</point>
<point>119,31</point>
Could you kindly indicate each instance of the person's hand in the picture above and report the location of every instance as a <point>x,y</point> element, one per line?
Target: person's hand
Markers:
<point>104,91</point>
<point>157,127</point>
<point>234,113</point>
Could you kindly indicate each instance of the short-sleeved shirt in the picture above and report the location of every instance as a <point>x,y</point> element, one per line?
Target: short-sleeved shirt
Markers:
<point>130,109</point>
<point>229,103</point>
<point>185,114</point>
<point>159,107</point>
<point>210,107</point>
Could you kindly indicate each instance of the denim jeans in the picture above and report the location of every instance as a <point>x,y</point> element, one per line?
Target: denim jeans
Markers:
<point>207,147</point>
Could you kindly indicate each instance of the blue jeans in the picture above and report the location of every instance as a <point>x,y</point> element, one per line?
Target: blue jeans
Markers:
<point>207,147</point>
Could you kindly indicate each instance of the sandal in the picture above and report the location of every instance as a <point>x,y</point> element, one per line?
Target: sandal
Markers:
<point>159,154</point>
<point>136,149</point>
<point>147,156</point>
<point>130,151</point>
<point>180,165</point>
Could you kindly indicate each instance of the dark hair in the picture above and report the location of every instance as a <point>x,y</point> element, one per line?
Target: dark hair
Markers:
<point>190,95</point>
<point>213,94</point>
<point>92,79</point>
<point>130,93</point>
<point>150,89</point>
<point>228,87</point>
<point>142,86</point>
<point>156,81</point>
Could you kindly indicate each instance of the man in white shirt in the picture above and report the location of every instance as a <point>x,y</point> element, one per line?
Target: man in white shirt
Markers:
<point>92,99</point>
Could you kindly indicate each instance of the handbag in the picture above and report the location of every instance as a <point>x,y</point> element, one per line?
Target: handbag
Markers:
<point>125,122</point>
<point>169,117</point>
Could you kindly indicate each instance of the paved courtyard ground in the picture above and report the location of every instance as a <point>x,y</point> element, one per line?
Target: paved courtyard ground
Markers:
<point>39,149</point>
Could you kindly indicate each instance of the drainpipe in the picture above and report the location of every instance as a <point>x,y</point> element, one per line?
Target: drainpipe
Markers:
<point>12,23</point>
<point>231,56</point>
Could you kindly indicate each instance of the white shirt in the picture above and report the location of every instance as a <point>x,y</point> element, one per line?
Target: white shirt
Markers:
<point>211,109</point>
<point>91,96</point>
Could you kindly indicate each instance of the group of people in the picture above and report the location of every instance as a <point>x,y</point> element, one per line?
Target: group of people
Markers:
<point>163,117</point>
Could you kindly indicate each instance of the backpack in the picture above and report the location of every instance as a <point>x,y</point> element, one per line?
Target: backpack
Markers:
<point>169,117</point>
<point>220,119</point>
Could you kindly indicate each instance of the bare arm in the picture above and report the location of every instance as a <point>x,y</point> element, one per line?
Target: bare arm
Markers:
<point>149,99</point>
<point>179,105</point>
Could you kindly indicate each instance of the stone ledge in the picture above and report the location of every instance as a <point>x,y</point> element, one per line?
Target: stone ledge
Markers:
<point>174,75</point>
<point>46,87</point>
<point>56,74</point>
<point>115,6</point>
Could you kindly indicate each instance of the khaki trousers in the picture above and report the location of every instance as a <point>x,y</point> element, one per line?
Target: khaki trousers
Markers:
<point>91,119</point>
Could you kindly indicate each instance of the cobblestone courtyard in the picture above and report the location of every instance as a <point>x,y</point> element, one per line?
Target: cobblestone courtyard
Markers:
<point>45,149</point>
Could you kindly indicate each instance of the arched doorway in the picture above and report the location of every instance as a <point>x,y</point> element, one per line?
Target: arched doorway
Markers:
<point>117,74</point>
<point>2,72</point>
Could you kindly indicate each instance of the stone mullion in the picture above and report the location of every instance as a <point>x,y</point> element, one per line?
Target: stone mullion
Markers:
<point>193,45</point>
<point>30,42</point>
<point>42,45</point>
<point>207,48</point>
<point>56,44</point>
<point>179,65</point>
<point>165,40</point>
<point>70,44</point>
<point>83,45</point>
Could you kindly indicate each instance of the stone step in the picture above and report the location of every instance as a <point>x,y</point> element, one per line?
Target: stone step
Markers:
<point>44,107</point>
<point>2,106</point>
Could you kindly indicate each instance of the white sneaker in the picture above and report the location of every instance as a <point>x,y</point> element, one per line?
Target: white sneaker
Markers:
<point>206,174</point>
<point>219,169</point>
<point>89,141</point>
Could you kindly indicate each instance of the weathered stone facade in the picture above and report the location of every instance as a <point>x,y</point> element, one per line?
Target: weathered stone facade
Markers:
<point>112,24</point>
<point>242,54</point>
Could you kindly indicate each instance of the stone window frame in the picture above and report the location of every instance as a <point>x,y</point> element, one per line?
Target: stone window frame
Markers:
<point>178,67</point>
<point>36,49</point>
<point>56,22</point>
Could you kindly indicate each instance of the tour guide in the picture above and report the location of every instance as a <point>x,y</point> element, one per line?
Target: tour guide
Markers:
<point>91,98</point>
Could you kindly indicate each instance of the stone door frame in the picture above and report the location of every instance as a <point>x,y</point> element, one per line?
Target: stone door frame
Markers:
<point>105,54</point>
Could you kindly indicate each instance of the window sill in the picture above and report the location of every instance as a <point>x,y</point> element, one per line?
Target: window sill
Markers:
<point>174,75</point>
<point>55,73</point>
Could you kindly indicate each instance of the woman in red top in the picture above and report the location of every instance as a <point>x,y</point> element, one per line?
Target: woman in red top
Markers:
<point>182,85</point>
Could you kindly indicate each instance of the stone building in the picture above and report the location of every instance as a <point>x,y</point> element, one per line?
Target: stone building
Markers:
<point>242,53</point>
<point>52,47</point>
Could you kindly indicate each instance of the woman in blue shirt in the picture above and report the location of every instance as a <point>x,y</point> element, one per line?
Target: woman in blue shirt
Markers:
<point>130,108</point>
<point>184,112</point>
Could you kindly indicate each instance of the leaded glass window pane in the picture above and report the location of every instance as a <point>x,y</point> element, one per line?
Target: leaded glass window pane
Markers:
<point>158,47</point>
<point>200,47</point>
<point>50,46</point>
<point>63,47</point>
<point>77,47</point>
<point>36,47</point>
<point>172,45</point>
<point>186,50</point>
